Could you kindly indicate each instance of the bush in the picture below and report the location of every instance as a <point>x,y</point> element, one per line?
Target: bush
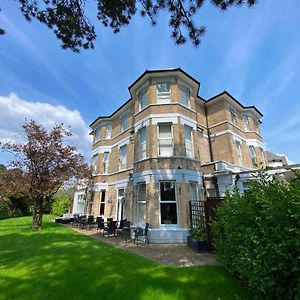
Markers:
<point>5,211</point>
<point>199,233</point>
<point>257,237</point>
<point>60,206</point>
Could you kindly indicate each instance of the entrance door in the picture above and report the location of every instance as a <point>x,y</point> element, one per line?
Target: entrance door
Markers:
<point>120,204</point>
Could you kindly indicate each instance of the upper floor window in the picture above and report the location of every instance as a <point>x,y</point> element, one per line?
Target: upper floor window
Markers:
<point>143,99</point>
<point>239,151</point>
<point>256,123</point>
<point>165,140</point>
<point>233,116</point>
<point>123,157</point>
<point>184,96</point>
<point>163,93</point>
<point>108,130</point>
<point>105,162</point>
<point>142,143</point>
<point>97,133</point>
<point>94,163</point>
<point>245,122</point>
<point>253,155</point>
<point>188,135</point>
<point>124,122</point>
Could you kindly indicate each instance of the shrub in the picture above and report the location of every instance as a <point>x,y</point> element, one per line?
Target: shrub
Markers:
<point>257,237</point>
<point>60,206</point>
<point>5,211</point>
<point>199,233</point>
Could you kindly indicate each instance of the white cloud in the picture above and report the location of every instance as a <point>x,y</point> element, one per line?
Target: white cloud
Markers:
<point>14,111</point>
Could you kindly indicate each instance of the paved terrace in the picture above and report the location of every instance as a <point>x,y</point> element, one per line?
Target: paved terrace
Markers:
<point>170,254</point>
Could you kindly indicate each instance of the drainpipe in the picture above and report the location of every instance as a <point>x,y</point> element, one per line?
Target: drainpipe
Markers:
<point>208,133</point>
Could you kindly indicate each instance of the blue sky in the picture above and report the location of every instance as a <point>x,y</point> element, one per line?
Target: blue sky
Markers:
<point>252,53</point>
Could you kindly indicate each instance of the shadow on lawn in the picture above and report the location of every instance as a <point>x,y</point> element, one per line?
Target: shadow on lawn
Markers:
<point>58,263</point>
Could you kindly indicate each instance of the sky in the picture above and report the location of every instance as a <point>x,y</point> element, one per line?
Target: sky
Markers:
<point>253,53</point>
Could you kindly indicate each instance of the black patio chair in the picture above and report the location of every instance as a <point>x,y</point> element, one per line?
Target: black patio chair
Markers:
<point>99,221</point>
<point>75,222</point>
<point>126,230</point>
<point>120,227</point>
<point>89,222</point>
<point>82,221</point>
<point>110,228</point>
<point>141,233</point>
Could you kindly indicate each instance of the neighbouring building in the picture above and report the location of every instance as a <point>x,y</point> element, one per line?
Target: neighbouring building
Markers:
<point>276,160</point>
<point>167,146</point>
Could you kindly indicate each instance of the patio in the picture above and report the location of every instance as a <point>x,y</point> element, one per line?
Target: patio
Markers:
<point>170,254</point>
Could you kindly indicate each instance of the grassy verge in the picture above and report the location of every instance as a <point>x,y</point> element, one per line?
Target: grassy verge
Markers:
<point>58,263</point>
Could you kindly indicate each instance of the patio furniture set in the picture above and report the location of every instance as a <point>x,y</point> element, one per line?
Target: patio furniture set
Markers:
<point>123,228</point>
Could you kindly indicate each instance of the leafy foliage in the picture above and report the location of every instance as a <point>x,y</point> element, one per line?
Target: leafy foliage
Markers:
<point>60,206</point>
<point>257,237</point>
<point>68,21</point>
<point>199,233</point>
<point>41,166</point>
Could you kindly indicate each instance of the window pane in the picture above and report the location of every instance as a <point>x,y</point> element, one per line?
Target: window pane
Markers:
<point>141,213</point>
<point>121,192</point>
<point>108,131</point>
<point>233,117</point>
<point>163,92</point>
<point>163,87</point>
<point>124,122</point>
<point>143,100</point>
<point>97,134</point>
<point>141,192</point>
<point>185,95</point>
<point>166,147</point>
<point>246,123</point>
<point>165,131</point>
<point>94,162</point>
<point>193,191</point>
<point>188,141</point>
<point>167,191</point>
<point>123,156</point>
<point>168,213</point>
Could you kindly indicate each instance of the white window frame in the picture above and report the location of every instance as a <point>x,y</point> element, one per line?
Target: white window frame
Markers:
<point>158,139</point>
<point>142,146</point>
<point>163,97</point>
<point>191,155</point>
<point>105,162</point>
<point>143,102</point>
<point>238,146</point>
<point>120,204</point>
<point>197,190</point>
<point>185,90</point>
<point>166,202</point>
<point>139,203</point>
<point>123,159</point>
<point>246,123</point>
<point>108,132</point>
<point>102,202</point>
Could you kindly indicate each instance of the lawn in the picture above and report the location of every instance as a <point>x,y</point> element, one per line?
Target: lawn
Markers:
<point>58,263</point>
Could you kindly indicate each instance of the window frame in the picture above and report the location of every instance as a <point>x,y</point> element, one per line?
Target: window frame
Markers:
<point>161,96</point>
<point>139,203</point>
<point>142,153</point>
<point>97,134</point>
<point>144,92</point>
<point>108,133</point>
<point>121,165</point>
<point>94,163</point>
<point>184,89</point>
<point>253,155</point>
<point>105,162</point>
<point>161,202</point>
<point>246,124</point>
<point>191,142</point>
<point>238,146</point>
<point>234,116</point>
<point>158,139</point>
<point>124,117</point>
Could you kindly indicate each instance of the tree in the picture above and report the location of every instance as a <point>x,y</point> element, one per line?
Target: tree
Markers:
<point>67,18</point>
<point>41,166</point>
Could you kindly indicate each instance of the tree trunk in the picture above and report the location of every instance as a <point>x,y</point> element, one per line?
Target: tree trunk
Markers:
<point>37,214</point>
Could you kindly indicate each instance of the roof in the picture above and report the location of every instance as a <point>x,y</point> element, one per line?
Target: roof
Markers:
<point>234,99</point>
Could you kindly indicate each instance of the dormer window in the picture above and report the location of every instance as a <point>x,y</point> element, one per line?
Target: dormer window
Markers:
<point>184,96</point>
<point>143,99</point>
<point>163,91</point>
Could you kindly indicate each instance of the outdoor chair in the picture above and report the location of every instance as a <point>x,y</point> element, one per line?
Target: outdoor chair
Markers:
<point>90,222</point>
<point>120,227</point>
<point>82,221</point>
<point>99,221</point>
<point>141,233</point>
<point>75,222</point>
<point>126,230</point>
<point>109,219</point>
<point>110,228</point>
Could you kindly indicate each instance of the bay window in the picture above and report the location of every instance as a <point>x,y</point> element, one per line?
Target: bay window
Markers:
<point>168,206</point>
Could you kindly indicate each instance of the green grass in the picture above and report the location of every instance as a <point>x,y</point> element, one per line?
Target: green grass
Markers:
<point>58,263</point>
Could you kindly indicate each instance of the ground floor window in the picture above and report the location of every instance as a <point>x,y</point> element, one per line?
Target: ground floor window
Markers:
<point>120,204</point>
<point>80,204</point>
<point>168,205</point>
<point>193,191</point>
<point>102,203</point>
<point>141,203</point>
